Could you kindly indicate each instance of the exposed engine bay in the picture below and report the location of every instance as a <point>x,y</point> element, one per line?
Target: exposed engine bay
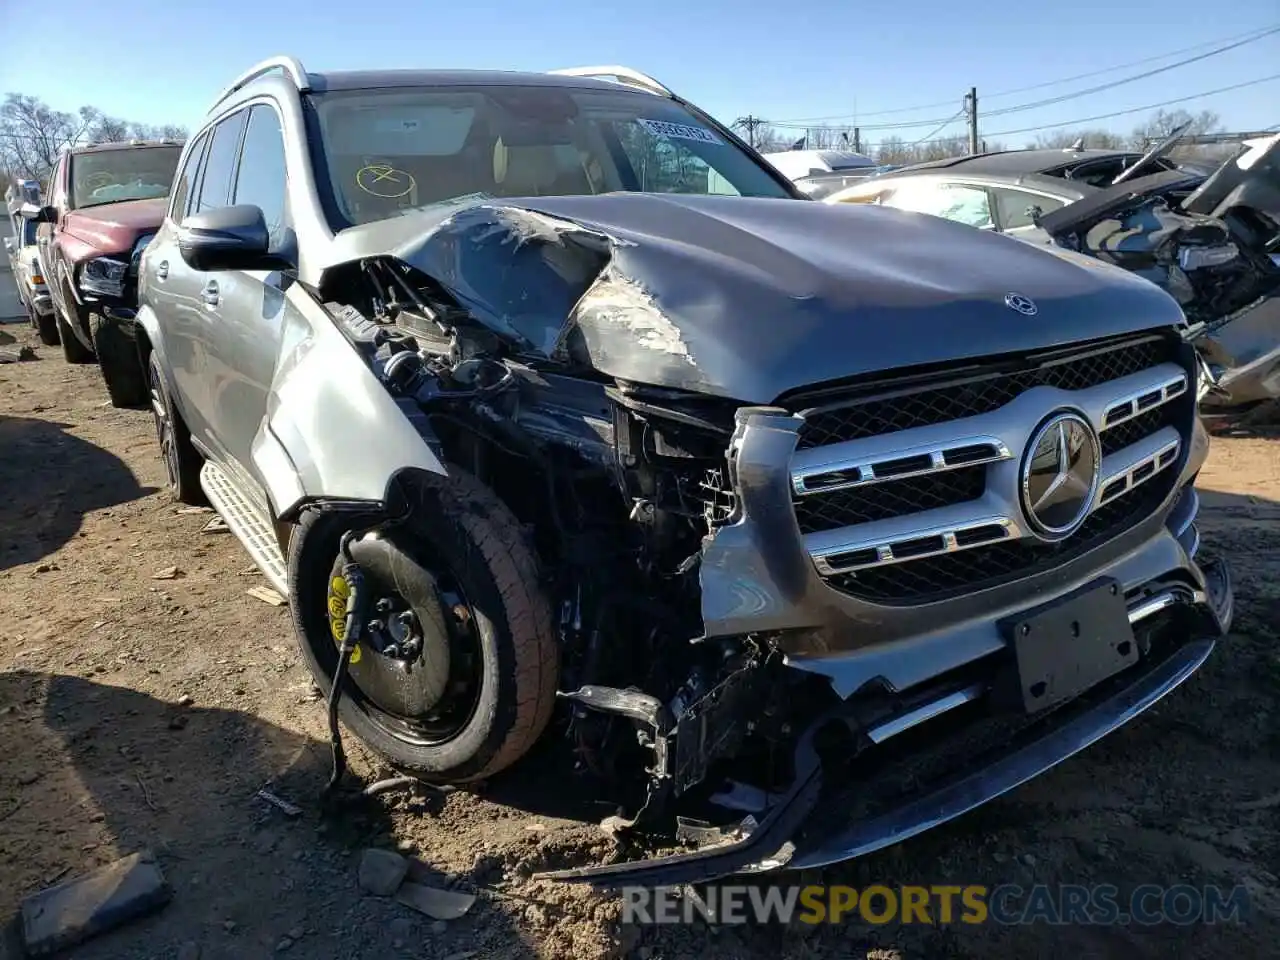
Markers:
<point>633,400</point>
<point>1211,243</point>
<point>620,483</point>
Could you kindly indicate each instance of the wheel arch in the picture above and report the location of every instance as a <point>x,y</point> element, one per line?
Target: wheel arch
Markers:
<point>332,430</point>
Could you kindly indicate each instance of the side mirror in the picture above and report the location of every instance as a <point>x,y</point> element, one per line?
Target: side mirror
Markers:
<point>228,238</point>
<point>38,214</point>
<point>1034,213</point>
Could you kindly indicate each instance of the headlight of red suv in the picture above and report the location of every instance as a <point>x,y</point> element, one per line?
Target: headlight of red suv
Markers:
<point>103,276</point>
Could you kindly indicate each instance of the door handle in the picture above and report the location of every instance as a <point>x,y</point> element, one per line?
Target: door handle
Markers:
<point>210,293</point>
<point>162,269</point>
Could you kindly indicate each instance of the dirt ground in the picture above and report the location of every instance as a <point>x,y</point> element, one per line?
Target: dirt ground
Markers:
<point>138,712</point>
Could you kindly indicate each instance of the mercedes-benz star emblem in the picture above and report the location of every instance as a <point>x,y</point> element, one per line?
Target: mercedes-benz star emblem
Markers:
<point>1024,305</point>
<point>1060,475</point>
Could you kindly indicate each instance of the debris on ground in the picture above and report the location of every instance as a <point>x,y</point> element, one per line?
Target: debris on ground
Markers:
<point>78,909</point>
<point>17,355</point>
<point>183,511</point>
<point>433,902</point>
<point>381,871</point>
<point>267,595</point>
<point>287,808</point>
<point>166,573</point>
<point>216,525</point>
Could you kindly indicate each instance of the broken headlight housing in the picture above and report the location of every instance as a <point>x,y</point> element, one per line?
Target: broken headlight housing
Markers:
<point>103,276</point>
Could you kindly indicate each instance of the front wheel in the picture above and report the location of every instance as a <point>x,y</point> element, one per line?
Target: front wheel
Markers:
<point>456,676</point>
<point>73,350</point>
<point>46,327</point>
<point>115,340</point>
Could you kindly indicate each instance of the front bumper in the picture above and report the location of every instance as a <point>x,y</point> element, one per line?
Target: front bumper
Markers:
<point>41,301</point>
<point>812,826</point>
<point>1083,723</point>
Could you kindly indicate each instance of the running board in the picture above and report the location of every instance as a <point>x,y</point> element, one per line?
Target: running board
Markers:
<point>247,523</point>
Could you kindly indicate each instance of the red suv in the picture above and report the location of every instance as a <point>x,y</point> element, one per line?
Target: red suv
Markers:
<point>106,202</point>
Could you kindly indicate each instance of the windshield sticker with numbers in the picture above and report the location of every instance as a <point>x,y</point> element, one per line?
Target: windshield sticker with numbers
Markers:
<point>679,131</point>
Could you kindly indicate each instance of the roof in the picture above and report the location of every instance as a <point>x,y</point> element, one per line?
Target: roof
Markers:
<point>122,145</point>
<point>373,79</point>
<point>798,163</point>
<point>1013,163</point>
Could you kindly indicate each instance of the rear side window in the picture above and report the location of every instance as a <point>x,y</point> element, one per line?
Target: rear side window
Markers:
<point>1015,207</point>
<point>954,201</point>
<point>58,194</point>
<point>186,176</point>
<point>261,178</point>
<point>215,179</point>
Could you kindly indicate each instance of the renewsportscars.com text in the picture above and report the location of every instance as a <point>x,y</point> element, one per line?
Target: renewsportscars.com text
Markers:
<point>1010,904</point>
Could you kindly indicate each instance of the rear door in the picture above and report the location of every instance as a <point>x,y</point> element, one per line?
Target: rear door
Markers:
<point>1017,210</point>
<point>164,287</point>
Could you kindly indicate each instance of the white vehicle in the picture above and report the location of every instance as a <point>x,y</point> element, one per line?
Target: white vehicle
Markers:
<point>24,260</point>
<point>819,173</point>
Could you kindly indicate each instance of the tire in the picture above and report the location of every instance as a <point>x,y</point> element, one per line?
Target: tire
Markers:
<point>477,546</point>
<point>72,349</point>
<point>115,341</point>
<point>182,462</point>
<point>46,327</point>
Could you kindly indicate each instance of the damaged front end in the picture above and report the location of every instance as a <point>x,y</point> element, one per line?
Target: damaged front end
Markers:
<point>790,579</point>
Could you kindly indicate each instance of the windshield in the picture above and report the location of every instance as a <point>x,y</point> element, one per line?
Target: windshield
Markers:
<point>389,150</point>
<point>27,232</point>
<point>130,173</point>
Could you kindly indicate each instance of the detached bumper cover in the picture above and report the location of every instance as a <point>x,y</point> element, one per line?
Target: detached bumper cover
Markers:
<point>799,832</point>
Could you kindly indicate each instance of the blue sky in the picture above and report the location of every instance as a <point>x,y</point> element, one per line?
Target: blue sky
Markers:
<point>163,63</point>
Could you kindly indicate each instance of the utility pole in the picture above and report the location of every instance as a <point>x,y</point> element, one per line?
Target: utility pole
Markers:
<point>857,139</point>
<point>750,124</point>
<point>971,110</point>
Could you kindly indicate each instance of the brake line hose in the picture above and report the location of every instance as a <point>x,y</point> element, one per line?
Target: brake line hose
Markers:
<point>358,612</point>
<point>357,617</point>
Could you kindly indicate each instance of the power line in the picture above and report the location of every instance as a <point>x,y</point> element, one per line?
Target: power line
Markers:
<point>1150,106</point>
<point>1137,76</point>
<point>1108,116</point>
<point>1249,37</point>
<point>946,123</point>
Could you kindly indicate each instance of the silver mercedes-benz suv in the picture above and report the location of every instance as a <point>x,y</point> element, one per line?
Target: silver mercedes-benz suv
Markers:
<point>549,403</point>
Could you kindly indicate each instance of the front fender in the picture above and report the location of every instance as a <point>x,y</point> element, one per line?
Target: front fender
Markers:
<point>332,431</point>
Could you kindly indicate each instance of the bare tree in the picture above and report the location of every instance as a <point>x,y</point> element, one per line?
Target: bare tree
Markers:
<point>940,149</point>
<point>105,129</point>
<point>32,133</point>
<point>1089,138</point>
<point>1162,123</point>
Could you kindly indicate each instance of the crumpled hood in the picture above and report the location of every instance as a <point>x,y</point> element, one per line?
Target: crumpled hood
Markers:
<point>115,227</point>
<point>752,298</point>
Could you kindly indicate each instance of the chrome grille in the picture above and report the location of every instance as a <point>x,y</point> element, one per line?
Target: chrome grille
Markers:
<point>929,504</point>
<point>851,419</point>
<point>846,507</point>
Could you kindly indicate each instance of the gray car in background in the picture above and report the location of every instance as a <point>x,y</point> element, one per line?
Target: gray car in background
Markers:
<point>1217,250</point>
<point>550,405</point>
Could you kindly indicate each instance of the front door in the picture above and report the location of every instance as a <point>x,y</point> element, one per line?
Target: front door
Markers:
<point>245,340</point>
<point>190,300</point>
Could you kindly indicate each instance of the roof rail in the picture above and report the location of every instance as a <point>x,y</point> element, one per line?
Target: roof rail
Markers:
<point>290,65</point>
<point>619,74</point>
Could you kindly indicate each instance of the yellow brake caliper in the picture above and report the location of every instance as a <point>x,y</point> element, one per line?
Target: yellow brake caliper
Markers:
<point>339,591</point>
